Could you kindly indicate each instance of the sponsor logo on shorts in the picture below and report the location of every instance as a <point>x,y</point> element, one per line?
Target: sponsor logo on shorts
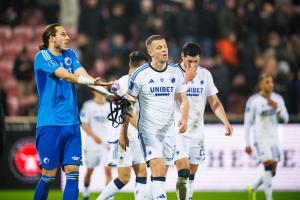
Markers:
<point>46,160</point>
<point>75,158</point>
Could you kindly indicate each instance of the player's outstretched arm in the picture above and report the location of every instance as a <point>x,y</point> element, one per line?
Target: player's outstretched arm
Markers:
<point>79,77</point>
<point>184,109</point>
<point>82,73</point>
<point>219,111</point>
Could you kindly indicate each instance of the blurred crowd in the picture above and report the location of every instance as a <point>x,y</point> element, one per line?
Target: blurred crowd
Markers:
<point>240,39</point>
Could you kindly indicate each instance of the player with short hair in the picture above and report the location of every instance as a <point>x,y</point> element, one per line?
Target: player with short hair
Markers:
<point>157,85</point>
<point>263,112</point>
<point>58,139</point>
<point>101,139</point>
<point>133,155</point>
<point>201,88</point>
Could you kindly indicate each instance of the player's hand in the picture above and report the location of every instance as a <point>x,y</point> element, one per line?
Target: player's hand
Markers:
<point>97,139</point>
<point>123,142</point>
<point>182,124</point>
<point>272,103</point>
<point>98,81</point>
<point>229,130</point>
<point>190,74</point>
<point>248,150</point>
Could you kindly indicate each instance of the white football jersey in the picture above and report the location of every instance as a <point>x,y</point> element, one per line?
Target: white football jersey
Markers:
<point>198,90</point>
<point>156,91</point>
<point>264,118</point>
<point>123,86</point>
<point>95,115</point>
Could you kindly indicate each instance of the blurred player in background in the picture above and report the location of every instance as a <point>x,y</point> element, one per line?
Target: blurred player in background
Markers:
<point>132,156</point>
<point>201,87</point>
<point>58,138</point>
<point>263,112</point>
<point>99,147</point>
<point>157,85</point>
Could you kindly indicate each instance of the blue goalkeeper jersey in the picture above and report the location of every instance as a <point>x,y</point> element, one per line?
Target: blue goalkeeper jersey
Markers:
<point>57,98</point>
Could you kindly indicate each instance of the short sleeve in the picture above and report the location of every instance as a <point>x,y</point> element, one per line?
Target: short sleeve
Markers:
<point>134,85</point>
<point>249,111</point>
<point>211,87</point>
<point>123,84</point>
<point>43,61</point>
<point>180,84</point>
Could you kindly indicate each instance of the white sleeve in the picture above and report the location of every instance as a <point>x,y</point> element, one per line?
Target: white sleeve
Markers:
<point>180,84</point>
<point>249,119</point>
<point>123,85</point>
<point>134,86</point>
<point>211,88</point>
<point>282,111</point>
<point>84,113</point>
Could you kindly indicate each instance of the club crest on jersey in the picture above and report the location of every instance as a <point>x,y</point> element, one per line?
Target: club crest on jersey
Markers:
<point>173,80</point>
<point>68,61</point>
<point>202,82</point>
<point>161,80</point>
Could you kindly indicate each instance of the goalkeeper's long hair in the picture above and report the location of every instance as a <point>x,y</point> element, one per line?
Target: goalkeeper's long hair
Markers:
<point>50,30</point>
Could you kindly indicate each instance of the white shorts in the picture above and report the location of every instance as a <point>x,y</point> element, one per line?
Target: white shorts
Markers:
<point>132,156</point>
<point>105,156</point>
<point>191,148</point>
<point>266,150</point>
<point>158,146</point>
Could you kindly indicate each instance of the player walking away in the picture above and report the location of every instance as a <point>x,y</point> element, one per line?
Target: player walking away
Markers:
<point>58,139</point>
<point>133,155</point>
<point>100,136</point>
<point>201,88</point>
<point>157,85</point>
<point>263,112</point>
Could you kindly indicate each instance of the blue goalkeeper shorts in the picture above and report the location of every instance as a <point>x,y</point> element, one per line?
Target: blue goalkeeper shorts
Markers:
<point>58,145</point>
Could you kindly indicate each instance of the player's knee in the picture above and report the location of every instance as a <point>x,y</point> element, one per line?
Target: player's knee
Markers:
<point>142,172</point>
<point>70,168</point>
<point>124,178</point>
<point>49,173</point>
<point>184,173</point>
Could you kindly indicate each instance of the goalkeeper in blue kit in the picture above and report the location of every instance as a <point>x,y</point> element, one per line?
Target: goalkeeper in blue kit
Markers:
<point>58,139</point>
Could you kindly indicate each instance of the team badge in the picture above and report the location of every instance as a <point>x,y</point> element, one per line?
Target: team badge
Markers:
<point>173,80</point>
<point>68,61</point>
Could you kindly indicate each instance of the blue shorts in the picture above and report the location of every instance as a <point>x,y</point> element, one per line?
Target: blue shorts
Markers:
<point>58,145</point>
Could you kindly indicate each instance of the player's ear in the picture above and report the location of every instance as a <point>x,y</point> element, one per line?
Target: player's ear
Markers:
<point>182,56</point>
<point>149,52</point>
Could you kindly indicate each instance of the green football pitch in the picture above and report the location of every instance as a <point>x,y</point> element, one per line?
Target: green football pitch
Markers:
<point>56,195</point>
